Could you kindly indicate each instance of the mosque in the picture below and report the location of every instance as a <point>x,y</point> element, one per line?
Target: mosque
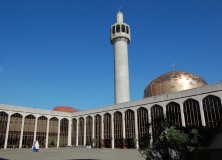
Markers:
<point>185,95</point>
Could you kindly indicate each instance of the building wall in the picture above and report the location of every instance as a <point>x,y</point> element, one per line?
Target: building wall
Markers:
<point>122,127</point>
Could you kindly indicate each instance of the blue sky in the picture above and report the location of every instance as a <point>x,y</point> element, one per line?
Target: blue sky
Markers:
<point>59,53</point>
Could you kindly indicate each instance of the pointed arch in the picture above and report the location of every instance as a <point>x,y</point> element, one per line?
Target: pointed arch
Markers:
<point>192,113</point>
<point>173,114</point>
<point>212,111</point>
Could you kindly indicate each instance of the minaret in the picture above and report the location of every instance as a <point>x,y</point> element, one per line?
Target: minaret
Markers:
<point>120,38</point>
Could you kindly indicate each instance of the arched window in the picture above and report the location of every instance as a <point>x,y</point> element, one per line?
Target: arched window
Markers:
<point>89,130</point>
<point>118,130</point>
<point>130,129</point>
<point>41,131</point>
<point>3,127</point>
<point>156,113</point>
<point>97,131</point>
<point>28,131</point>
<point>130,124</point>
<point>107,131</point>
<point>14,130</point>
<point>212,111</point>
<point>53,132</point>
<point>143,121</point>
<point>81,132</point>
<point>74,128</point>
<point>173,114</point>
<point>64,129</point>
<point>192,113</point>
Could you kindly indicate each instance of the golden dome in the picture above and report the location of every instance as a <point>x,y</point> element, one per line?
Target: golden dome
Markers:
<point>173,81</point>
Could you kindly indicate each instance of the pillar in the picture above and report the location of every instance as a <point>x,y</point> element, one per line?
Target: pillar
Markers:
<point>182,115</point>
<point>77,131</point>
<point>70,133</point>
<point>58,136</point>
<point>136,130</point>
<point>84,137</point>
<point>47,133</point>
<point>112,126</point>
<point>36,122</point>
<point>7,131</point>
<point>21,135</point>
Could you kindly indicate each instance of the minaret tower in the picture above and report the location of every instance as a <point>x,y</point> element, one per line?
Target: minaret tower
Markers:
<point>120,38</point>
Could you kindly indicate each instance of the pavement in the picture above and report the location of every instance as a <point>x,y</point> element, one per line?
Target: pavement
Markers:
<point>71,154</point>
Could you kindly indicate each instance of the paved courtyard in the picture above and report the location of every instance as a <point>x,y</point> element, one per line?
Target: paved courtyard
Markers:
<point>71,154</point>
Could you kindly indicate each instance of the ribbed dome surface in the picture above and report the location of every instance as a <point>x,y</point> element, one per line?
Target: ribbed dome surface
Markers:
<point>64,109</point>
<point>173,81</point>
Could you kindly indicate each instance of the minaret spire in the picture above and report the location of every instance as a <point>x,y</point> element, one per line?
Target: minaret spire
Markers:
<point>119,17</point>
<point>120,38</point>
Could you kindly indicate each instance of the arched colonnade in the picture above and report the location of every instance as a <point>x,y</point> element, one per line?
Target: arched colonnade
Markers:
<point>122,128</point>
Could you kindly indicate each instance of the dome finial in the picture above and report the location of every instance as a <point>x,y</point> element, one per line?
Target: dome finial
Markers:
<point>172,66</point>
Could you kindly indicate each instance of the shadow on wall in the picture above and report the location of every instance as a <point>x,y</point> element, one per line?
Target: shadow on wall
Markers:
<point>3,159</point>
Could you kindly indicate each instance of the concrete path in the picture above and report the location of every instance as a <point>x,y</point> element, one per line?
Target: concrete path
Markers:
<point>71,154</point>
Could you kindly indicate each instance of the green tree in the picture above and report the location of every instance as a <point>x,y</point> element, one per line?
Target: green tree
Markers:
<point>169,142</point>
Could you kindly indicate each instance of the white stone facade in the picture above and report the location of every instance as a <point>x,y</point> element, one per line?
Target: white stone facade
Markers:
<point>197,94</point>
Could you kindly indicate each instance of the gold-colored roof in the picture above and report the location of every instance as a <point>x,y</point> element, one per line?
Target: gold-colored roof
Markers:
<point>173,81</point>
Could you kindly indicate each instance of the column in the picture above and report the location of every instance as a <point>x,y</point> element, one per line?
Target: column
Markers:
<point>84,137</point>
<point>150,122</point>
<point>58,136</point>
<point>124,127</point>
<point>102,129</point>
<point>202,114</point>
<point>21,135</point>
<point>77,131</point>
<point>70,133</point>
<point>164,110</point>
<point>182,115</point>
<point>112,126</point>
<point>7,131</point>
<point>136,130</point>
<point>36,121</point>
<point>47,133</point>
<point>93,128</point>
